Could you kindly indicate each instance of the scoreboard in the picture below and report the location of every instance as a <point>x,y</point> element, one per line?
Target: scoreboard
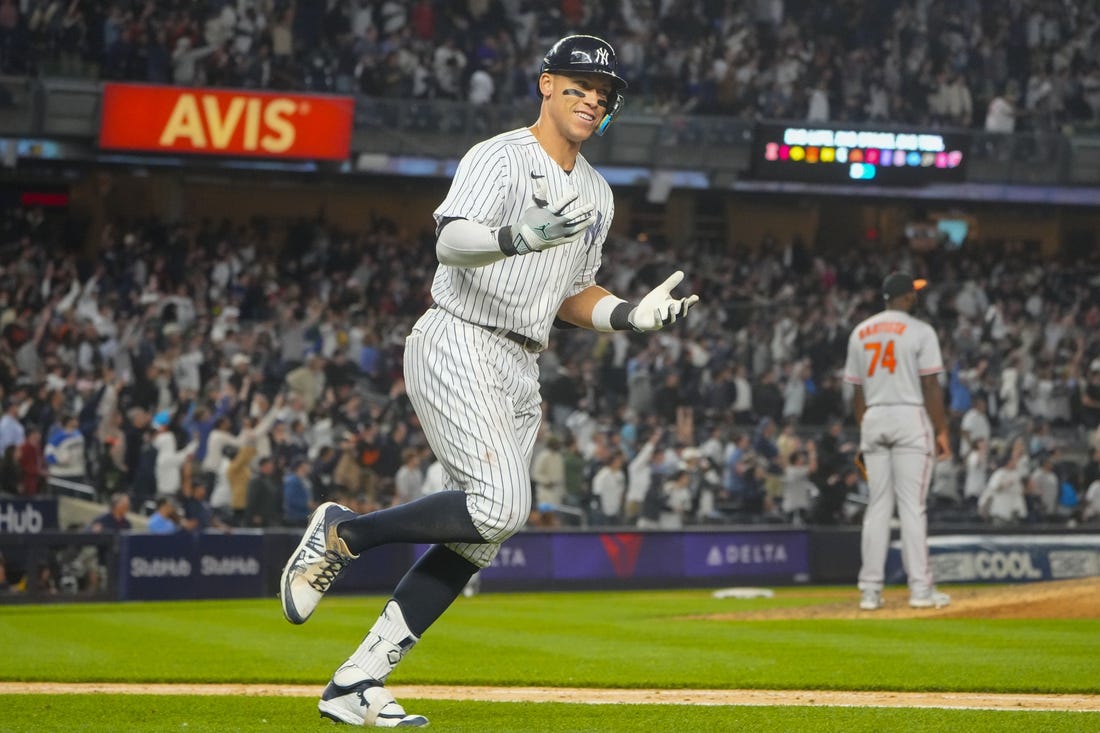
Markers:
<point>842,155</point>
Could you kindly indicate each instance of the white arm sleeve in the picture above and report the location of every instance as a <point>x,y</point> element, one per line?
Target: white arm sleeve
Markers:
<point>465,243</point>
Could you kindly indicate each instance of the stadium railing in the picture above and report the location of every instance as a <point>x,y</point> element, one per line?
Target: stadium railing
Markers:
<point>60,486</point>
<point>68,109</point>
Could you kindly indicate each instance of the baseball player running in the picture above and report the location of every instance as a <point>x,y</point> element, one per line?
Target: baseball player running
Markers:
<point>893,362</point>
<point>519,241</point>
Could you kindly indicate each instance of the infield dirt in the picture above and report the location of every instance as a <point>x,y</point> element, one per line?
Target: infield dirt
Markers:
<point>1066,599</point>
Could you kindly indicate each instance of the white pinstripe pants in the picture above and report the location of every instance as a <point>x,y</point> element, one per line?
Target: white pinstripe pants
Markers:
<point>477,398</point>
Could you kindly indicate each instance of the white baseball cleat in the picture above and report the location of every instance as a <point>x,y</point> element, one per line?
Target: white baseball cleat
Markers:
<point>320,557</point>
<point>933,599</point>
<point>350,699</point>
<point>870,600</point>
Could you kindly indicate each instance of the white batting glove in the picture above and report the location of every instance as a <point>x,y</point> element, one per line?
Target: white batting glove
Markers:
<point>547,225</point>
<point>659,309</point>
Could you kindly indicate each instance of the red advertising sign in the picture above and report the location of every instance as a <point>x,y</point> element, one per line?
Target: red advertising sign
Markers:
<point>225,122</point>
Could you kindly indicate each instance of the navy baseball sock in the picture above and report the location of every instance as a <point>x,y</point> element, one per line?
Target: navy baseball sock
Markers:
<point>431,585</point>
<point>435,518</point>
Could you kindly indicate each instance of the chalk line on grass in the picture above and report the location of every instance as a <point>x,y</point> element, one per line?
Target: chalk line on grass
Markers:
<point>597,696</point>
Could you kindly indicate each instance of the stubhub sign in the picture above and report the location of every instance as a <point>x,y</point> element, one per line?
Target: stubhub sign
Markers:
<point>27,516</point>
<point>182,565</point>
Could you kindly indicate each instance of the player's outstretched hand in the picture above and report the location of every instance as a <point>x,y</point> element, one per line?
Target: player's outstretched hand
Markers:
<point>551,224</point>
<point>659,309</point>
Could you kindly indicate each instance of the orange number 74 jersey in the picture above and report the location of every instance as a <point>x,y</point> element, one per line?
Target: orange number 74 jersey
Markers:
<point>888,354</point>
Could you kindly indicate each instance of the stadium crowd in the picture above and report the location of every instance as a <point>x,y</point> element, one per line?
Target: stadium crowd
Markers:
<point>227,375</point>
<point>1031,64</point>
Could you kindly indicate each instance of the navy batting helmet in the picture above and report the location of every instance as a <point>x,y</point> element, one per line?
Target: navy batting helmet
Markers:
<point>590,55</point>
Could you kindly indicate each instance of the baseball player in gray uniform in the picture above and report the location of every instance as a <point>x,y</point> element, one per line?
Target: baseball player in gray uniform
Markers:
<point>893,362</point>
<point>519,241</point>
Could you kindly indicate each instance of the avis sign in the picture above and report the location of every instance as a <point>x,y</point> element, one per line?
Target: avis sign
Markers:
<point>225,122</point>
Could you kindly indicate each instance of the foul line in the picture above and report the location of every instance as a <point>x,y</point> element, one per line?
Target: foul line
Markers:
<point>594,696</point>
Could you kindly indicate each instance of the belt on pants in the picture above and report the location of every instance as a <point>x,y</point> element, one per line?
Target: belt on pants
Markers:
<point>526,343</point>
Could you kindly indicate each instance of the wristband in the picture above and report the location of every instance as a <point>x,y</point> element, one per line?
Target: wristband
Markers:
<point>505,242</point>
<point>612,314</point>
<point>620,317</point>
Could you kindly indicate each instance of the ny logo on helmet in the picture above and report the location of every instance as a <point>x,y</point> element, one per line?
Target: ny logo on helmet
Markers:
<point>601,56</point>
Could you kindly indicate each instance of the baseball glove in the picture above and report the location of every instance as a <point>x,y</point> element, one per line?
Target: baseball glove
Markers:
<point>860,465</point>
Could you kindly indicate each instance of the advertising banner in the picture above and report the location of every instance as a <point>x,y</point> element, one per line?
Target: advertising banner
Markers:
<point>564,557</point>
<point>377,569</point>
<point>225,122</point>
<point>229,566</point>
<point>621,555</point>
<point>184,565</point>
<point>156,567</point>
<point>522,557</point>
<point>27,516</point>
<point>1004,558</point>
<point>747,554</point>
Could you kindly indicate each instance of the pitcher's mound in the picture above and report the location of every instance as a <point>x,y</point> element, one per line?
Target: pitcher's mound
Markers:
<point>1069,599</point>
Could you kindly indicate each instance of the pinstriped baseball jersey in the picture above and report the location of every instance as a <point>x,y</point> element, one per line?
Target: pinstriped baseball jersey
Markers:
<point>475,392</point>
<point>495,182</point>
<point>888,354</point>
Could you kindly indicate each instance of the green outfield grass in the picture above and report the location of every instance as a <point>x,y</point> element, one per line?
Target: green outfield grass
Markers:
<point>626,639</point>
<point>114,713</point>
<point>632,639</point>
